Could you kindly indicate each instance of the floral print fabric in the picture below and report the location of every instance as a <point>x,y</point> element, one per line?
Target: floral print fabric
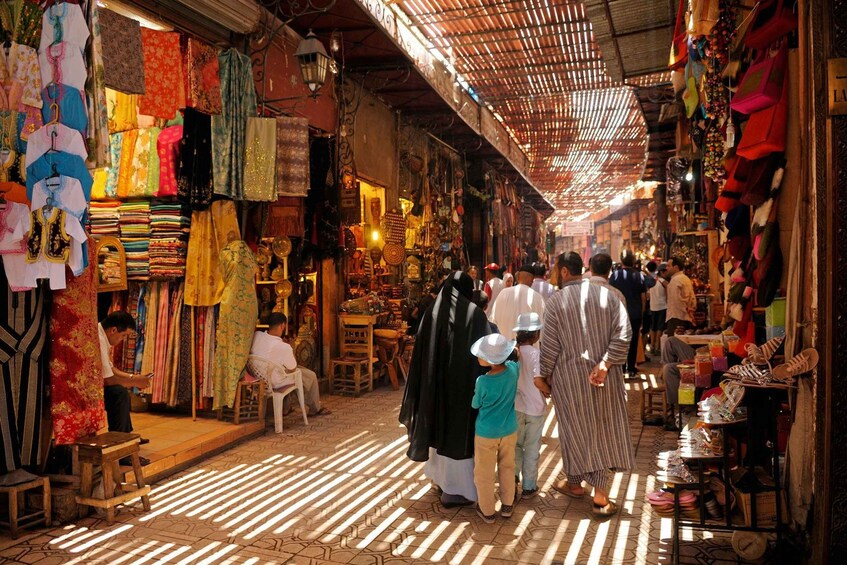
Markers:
<point>237,321</point>
<point>292,156</point>
<point>28,29</point>
<point>164,90</point>
<point>211,231</point>
<point>121,111</point>
<point>260,160</point>
<point>123,62</point>
<point>26,77</point>
<point>238,92</point>
<point>76,375</point>
<point>168,149</point>
<point>202,82</point>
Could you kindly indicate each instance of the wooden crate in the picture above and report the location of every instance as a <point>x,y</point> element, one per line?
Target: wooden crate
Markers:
<point>765,507</point>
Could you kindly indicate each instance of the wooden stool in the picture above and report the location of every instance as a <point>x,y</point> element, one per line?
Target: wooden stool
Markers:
<point>249,403</point>
<point>654,403</point>
<point>107,450</point>
<point>404,359</point>
<point>17,505</point>
<point>388,351</point>
<point>349,380</point>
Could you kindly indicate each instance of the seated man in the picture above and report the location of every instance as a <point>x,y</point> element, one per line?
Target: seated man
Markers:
<point>674,351</point>
<point>269,345</point>
<point>114,329</point>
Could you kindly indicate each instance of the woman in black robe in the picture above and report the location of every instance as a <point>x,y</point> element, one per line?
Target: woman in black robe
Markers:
<point>440,385</point>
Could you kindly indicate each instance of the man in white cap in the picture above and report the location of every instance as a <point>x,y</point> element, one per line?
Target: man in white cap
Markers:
<point>516,300</point>
<point>493,283</point>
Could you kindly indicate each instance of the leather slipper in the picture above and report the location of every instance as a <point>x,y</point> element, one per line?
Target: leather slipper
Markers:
<point>564,488</point>
<point>608,510</point>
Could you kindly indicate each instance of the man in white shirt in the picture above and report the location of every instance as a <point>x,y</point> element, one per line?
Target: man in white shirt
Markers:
<point>112,330</point>
<point>658,304</point>
<point>540,284</point>
<point>270,346</point>
<point>493,283</point>
<point>516,300</point>
<point>681,300</point>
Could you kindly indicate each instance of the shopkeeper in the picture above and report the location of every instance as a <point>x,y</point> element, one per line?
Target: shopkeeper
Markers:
<point>114,329</point>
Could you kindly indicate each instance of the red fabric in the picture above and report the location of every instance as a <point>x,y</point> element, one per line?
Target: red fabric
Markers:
<point>679,47</point>
<point>164,93</point>
<point>76,373</point>
<point>765,132</point>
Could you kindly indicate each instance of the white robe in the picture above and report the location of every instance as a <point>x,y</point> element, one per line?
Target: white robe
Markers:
<point>510,303</point>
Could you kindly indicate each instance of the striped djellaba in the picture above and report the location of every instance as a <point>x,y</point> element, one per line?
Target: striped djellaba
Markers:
<point>584,323</point>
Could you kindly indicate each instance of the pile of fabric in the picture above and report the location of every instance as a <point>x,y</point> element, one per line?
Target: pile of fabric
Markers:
<point>134,220</point>
<point>103,218</point>
<point>169,227</point>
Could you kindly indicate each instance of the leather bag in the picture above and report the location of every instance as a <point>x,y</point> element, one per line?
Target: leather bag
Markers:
<point>773,19</point>
<point>762,84</point>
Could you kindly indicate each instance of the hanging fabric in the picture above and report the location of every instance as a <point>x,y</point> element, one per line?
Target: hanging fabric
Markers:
<point>292,156</point>
<point>194,172</point>
<point>28,30</point>
<point>23,333</point>
<point>260,160</point>
<point>164,89</point>
<point>237,322</point>
<point>63,22</point>
<point>167,146</point>
<point>76,374</point>
<point>123,62</point>
<point>238,93</point>
<point>211,231</point>
<point>202,77</point>
<point>98,126</point>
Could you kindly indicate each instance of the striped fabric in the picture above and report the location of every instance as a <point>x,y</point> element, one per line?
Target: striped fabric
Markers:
<point>598,479</point>
<point>23,332</point>
<point>583,323</point>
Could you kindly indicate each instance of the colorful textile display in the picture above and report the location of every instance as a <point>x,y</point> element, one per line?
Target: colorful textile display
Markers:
<point>104,219</point>
<point>260,160</point>
<point>76,374</point>
<point>202,77</point>
<point>211,231</point>
<point>237,321</point>
<point>238,92</point>
<point>168,150</point>
<point>292,156</point>
<point>163,95</point>
<point>169,228</point>
<point>29,25</point>
<point>98,139</point>
<point>23,333</point>
<point>134,221</point>
<point>123,63</point>
<point>194,173</point>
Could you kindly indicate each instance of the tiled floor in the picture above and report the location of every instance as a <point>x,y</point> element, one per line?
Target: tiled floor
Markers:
<point>342,491</point>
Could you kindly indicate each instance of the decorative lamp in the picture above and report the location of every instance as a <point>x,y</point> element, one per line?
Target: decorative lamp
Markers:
<point>313,61</point>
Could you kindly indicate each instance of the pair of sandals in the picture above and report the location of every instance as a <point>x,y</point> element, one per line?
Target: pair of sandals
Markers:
<point>578,492</point>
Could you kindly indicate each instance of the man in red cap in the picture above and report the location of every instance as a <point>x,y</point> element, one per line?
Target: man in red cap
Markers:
<point>493,282</point>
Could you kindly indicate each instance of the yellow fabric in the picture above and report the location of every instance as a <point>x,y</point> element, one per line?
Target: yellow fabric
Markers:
<point>123,114</point>
<point>98,189</point>
<point>211,231</point>
<point>126,171</point>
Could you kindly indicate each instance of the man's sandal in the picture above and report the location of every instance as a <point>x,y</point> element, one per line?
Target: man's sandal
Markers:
<point>609,509</point>
<point>566,489</point>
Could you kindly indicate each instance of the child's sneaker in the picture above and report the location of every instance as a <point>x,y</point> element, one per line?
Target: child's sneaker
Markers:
<point>506,511</point>
<point>530,492</point>
<point>486,519</point>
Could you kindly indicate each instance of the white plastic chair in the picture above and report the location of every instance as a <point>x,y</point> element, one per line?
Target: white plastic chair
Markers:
<point>263,368</point>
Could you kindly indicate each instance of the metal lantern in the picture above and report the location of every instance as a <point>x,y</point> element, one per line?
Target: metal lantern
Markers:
<point>313,61</point>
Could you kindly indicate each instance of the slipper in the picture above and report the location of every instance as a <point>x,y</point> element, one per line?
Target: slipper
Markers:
<point>609,509</point>
<point>322,412</point>
<point>564,488</point>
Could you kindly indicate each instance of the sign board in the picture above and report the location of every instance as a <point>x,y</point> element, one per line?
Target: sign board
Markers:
<point>837,87</point>
<point>571,229</point>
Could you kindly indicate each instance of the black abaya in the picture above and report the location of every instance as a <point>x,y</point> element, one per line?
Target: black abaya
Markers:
<point>437,401</point>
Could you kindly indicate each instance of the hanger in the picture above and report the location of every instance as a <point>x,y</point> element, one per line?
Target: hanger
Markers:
<point>54,109</point>
<point>54,172</point>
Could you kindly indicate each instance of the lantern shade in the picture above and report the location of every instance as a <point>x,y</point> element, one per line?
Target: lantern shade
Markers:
<point>313,61</point>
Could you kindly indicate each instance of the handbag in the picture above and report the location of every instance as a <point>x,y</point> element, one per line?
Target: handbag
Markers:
<point>679,47</point>
<point>704,15</point>
<point>766,129</point>
<point>773,19</point>
<point>761,86</point>
<point>753,178</point>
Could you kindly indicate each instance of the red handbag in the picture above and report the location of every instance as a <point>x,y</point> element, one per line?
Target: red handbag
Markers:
<point>679,47</point>
<point>766,129</point>
<point>753,178</point>
<point>762,84</point>
<point>773,19</point>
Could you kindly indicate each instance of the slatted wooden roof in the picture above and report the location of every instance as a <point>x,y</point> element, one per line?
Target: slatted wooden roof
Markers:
<point>539,66</point>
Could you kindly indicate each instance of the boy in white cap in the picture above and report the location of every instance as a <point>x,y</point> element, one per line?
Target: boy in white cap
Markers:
<point>530,404</point>
<point>496,425</point>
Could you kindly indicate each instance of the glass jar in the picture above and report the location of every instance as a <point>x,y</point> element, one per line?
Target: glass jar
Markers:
<point>687,374</point>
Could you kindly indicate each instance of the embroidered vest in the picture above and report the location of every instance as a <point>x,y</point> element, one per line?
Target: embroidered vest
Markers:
<point>48,236</point>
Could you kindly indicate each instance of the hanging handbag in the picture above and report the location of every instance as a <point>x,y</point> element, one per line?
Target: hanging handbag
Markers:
<point>761,86</point>
<point>766,129</point>
<point>704,15</point>
<point>679,48</point>
<point>753,178</point>
<point>773,19</point>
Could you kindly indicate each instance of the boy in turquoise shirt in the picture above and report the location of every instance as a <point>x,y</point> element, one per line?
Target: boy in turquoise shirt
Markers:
<point>496,425</point>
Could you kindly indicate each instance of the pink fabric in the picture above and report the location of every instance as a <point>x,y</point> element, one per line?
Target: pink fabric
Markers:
<point>168,147</point>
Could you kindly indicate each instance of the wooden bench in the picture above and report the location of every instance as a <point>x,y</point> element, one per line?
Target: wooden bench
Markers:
<point>106,450</point>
